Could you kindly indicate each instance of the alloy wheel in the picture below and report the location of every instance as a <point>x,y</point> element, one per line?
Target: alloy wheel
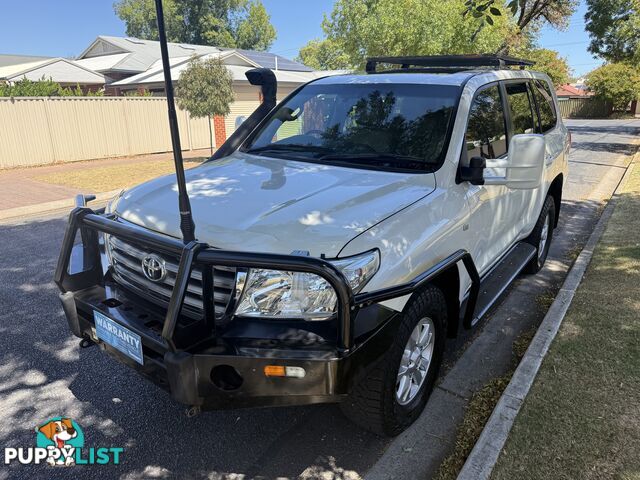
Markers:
<point>415,362</point>
<point>544,235</point>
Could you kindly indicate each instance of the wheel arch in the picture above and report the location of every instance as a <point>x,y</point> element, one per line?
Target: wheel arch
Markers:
<point>555,190</point>
<point>448,281</point>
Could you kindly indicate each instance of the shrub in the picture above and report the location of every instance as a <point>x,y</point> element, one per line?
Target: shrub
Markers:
<point>39,88</point>
<point>616,83</point>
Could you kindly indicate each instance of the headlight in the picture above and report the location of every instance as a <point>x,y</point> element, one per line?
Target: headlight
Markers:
<point>111,204</point>
<point>282,294</point>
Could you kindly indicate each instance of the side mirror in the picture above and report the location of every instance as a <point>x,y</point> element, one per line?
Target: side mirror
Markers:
<point>474,173</point>
<point>524,165</point>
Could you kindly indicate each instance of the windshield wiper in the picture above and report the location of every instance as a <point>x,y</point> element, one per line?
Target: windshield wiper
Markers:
<point>380,159</point>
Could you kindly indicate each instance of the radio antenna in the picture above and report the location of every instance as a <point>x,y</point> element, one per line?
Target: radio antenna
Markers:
<point>187,227</point>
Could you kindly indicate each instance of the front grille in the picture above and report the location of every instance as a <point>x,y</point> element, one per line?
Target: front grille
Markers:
<point>126,259</point>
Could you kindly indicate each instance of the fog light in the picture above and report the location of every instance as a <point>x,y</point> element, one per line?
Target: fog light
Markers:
<point>284,371</point>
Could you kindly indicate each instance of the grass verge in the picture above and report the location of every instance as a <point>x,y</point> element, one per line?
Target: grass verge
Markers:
<point>112,177</point>
<point>581,418</point>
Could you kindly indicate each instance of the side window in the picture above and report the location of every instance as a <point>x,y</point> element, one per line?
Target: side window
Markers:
<point>546,108</point>
<point>520,106</point>
<point>486,134</point>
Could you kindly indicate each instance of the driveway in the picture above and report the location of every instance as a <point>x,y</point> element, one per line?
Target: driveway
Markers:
<point>44,374</point>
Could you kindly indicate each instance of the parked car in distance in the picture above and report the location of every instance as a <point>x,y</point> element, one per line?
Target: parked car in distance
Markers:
<point>343,235</point>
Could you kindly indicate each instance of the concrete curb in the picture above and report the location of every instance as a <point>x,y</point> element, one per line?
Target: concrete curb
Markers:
<point>486,451</point>
<point>15,213</point>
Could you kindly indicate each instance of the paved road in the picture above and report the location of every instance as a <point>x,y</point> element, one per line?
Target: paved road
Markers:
<point>43,373</point>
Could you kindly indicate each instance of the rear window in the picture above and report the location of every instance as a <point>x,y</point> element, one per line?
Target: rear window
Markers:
<point>546,107</point>
<point>521,107</point>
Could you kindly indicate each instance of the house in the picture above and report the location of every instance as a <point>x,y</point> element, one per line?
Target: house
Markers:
<point>66,72</point>
<point>121,58</point>
<point>246,95</point>
<point>571,91</point>
<point>131,64</point>
<point>124,64</point>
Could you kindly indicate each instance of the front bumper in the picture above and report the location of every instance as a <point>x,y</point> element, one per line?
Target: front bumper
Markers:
<point>228,372</point>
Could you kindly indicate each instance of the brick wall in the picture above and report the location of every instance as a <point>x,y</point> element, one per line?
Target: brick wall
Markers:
<point>219,129</point>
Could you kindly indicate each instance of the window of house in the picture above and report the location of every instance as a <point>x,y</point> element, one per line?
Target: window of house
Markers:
<point>486,133</point>
<point>520,106</point>
<point>546,107</point>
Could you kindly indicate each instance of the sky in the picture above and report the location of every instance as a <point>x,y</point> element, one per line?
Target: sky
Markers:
<point>66,27</point>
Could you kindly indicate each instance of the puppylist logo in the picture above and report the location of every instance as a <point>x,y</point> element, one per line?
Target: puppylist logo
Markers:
<point>60,442</point>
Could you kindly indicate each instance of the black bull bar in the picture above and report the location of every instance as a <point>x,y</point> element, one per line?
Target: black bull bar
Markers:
<point>89,223</point>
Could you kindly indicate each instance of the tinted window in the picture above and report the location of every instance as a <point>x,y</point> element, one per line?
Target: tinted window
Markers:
<point>546,108</point>
<point>486,135</point>
<point>520,102</point>
<point>381,125</point>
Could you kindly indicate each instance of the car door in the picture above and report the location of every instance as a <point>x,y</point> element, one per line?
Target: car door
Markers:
<point>545,120</point>
<point>520,205</point>
<point>486,136</point>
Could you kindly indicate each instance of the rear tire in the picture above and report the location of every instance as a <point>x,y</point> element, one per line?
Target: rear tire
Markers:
<point>374,402</point>
<point>541,236</point>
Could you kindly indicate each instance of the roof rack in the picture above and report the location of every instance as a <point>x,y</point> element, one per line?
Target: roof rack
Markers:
<point>447,63</point>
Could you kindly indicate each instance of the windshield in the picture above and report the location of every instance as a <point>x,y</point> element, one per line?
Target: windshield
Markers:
<point>383,126</point>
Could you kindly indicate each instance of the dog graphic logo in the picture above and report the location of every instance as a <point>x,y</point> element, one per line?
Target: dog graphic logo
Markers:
<point>61,436</point>
<point>60,443</point>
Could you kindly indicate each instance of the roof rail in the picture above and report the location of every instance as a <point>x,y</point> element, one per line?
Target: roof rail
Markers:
<point>448,63</point>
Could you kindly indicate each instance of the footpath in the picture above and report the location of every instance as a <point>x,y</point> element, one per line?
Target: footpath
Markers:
<point>27,191</point>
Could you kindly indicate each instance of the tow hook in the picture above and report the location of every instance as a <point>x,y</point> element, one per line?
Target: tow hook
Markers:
<point>192,411</point>
<point>86,343</point>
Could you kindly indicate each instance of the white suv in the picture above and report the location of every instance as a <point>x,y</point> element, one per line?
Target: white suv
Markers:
<point>343,235</point>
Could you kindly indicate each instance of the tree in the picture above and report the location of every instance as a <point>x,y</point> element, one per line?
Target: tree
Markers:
<point>255,32</point>
<point>222,23</point>
<point>616,83</point>
<point>324,55</point>
<point>549,62</point>
<point>205,89</point>
<point>357,29</point>
<point>614,28</point>
<point>527,15</point>
<point>140,19</point>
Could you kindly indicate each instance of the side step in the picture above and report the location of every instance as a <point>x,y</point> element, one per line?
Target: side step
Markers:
<point>498,279</point>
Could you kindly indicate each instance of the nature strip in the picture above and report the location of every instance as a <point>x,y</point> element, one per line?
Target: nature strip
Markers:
<point>485,453</point>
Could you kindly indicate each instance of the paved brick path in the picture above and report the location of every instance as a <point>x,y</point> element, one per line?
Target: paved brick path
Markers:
<point>20,187</point>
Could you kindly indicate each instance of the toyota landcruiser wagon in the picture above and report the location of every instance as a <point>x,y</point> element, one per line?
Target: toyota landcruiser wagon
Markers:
<point>341,236</point>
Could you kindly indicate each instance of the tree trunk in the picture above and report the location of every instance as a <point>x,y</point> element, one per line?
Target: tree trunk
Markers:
<point>209,120</point>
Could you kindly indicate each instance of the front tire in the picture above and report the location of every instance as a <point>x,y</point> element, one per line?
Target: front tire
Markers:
<point>541,236</point>
<point>397,388</point>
